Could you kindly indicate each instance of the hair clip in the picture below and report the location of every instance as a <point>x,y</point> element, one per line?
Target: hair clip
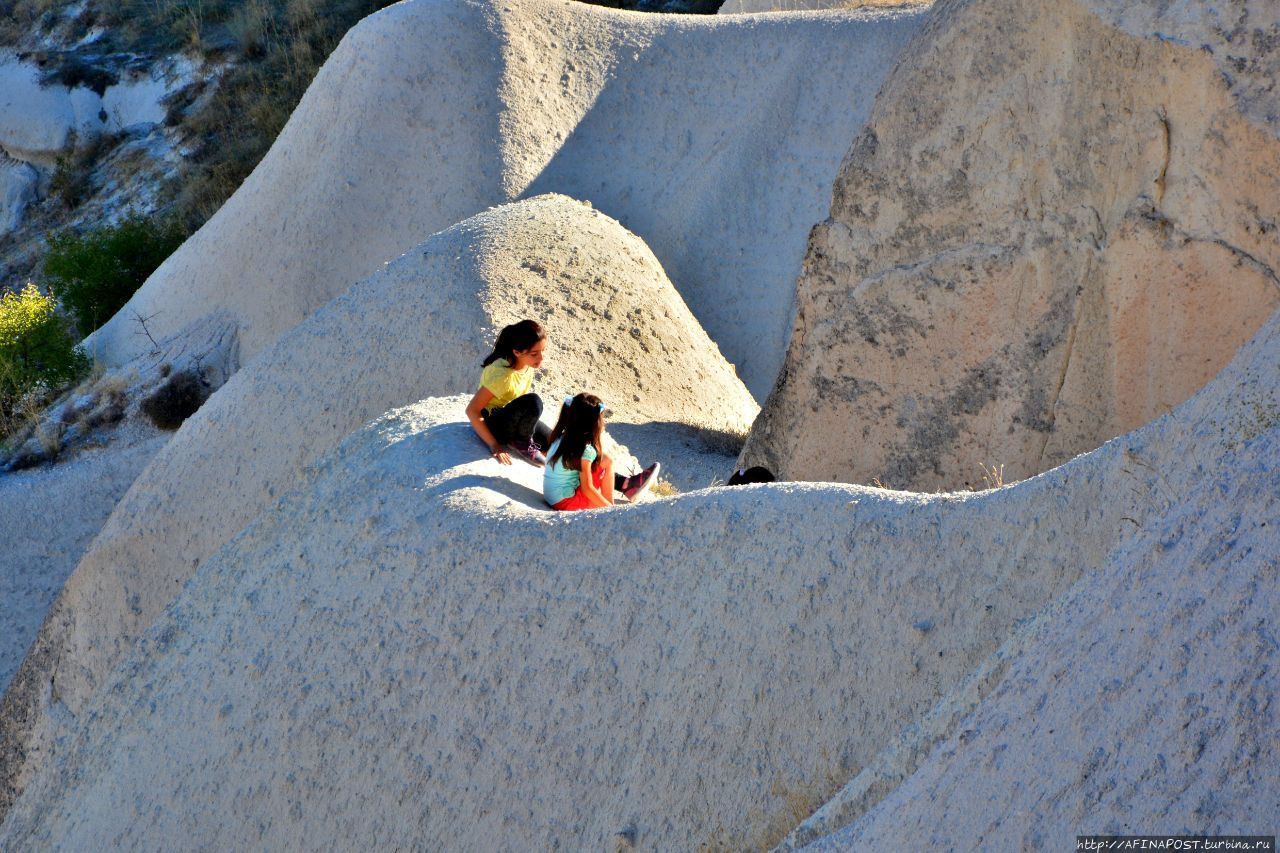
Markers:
<point>568,399</point>
<point>600,405</point>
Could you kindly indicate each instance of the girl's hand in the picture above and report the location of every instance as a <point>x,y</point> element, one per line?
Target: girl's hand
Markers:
<point>474,414</point>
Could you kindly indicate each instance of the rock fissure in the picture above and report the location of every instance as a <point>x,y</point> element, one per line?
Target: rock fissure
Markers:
<point>1072,330</point>
<point>990,250</point>
<point>1167,138</point>
<point>1080,146</point>
<point>1244,256</point>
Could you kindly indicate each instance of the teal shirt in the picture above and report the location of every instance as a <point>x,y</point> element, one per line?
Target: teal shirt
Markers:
<point>559,482</point>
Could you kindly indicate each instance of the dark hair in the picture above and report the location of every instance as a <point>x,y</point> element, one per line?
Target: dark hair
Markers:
<point>754,474</point>
<point>580,423</point>
<point>517,336</point>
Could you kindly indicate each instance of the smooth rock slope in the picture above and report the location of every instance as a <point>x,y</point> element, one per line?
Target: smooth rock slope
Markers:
<point>1145,696</point>
<point>322,617</point>
<point>406,649</point>
<point>49,518</point>
<point>418,327</point>
<point>1032,249</point>
<point>362,671</point>
<point>709,138</point>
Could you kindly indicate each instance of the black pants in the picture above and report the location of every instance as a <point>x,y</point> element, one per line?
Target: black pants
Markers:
<point>517,422</point>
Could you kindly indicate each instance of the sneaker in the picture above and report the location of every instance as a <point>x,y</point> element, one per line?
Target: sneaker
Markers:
<point>636,484</point>
<point>529,451</point>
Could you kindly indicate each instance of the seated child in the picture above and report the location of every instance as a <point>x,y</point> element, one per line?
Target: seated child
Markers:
<point>577,469</point>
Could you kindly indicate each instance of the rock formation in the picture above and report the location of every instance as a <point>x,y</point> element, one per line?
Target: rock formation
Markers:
<point>471,104</point>
<point>18,184</point>
<point>1144,696</point>
<point>49,517</point>
<point>368,669</point>
<point>1029,251</point>
<point>352,666</point>
<point>616,326</point>
<point>737,7</point>
<point>40,120</point>
<point>37,123</point>
<point>321,617</point>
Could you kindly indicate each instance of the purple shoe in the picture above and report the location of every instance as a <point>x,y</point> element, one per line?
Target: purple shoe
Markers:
<point>529,451</point>
<point>636,484</point>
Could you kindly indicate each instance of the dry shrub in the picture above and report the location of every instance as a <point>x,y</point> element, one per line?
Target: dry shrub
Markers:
<point>663,489</point>
<point>49,435</point>
<point>179,398</point>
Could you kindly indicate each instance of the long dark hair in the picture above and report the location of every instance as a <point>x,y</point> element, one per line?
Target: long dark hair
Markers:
<point>581,422</point>
<point>517,336</point>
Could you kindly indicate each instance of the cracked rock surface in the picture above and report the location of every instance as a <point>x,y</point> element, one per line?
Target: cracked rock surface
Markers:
<point>1029,251</point>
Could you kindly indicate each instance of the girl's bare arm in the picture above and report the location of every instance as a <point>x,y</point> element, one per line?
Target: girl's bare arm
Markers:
<point>589,488</point>
<point>474,408</point>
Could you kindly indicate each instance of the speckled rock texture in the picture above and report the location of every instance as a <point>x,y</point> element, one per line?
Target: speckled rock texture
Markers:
<point>738,7</point>
<point>708,137</point>
<point>49,517</point>
<point>408,650</point>
<point>419,327</point>
<point>19,183</point>
<point>323,618</point>
<point>1051,231</point>
<point>352,666</point>
<point>1143,698</point>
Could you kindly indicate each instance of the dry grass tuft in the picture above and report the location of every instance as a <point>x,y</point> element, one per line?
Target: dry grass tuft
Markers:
<point>49,436</point>
<point>663,489</point>
<point>115,384</point>
<point>992,476</point>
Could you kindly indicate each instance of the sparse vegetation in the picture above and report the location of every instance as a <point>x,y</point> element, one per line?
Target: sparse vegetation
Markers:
<point>992,475</point>
<point>72,179</point>
<point>17,16</point>
<point>272,50</point>
<point>663,488</point>
<point>94,274</point>
<point>38,355</point>
<point>176,400</point>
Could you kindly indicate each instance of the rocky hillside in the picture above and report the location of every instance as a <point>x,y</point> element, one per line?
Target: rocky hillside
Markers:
<point>319,614</point>
<point>157,108</point>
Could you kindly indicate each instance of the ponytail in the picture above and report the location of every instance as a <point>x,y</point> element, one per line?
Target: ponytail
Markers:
<point>518,336</point>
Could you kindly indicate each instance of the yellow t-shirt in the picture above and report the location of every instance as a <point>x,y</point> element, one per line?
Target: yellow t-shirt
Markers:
<point>505,383</point>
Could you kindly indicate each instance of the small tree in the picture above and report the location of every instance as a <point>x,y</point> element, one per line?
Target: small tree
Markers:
<point>37,351</point>
<point>94,274</point>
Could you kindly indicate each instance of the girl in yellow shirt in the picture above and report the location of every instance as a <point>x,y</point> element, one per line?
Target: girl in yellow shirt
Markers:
<point>505,411</point>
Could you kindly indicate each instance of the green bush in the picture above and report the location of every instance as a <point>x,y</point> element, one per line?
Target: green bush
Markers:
<point>37,351</point>
<point>95,273</point>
